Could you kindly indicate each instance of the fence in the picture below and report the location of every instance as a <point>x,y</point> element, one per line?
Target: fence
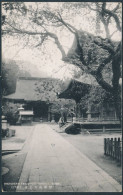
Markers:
<point>113,148</point>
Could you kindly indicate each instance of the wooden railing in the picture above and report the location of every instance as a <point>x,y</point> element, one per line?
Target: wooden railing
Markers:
<point>113,148</point>
<point>80,119</point>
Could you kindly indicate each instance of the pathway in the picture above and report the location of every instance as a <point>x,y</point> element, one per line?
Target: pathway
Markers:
<point>54,165</point>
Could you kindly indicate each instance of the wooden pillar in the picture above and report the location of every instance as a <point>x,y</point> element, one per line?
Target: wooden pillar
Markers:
<point>79,113</point>
<point>89,112</point>
<point>104,129</point>
<point>115,116</point>
<point>49,113</point>
<point>82,116</point>
<point>53,120</point>
<point>100,113</point>
<point>89,116</point>
<point>48,116</point>
<point>75,110</point>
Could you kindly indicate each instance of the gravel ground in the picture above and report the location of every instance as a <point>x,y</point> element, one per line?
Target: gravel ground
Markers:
<point>14,162</point>
<point>93,147</point>
<point>22,132</point>
<point>16,142</point>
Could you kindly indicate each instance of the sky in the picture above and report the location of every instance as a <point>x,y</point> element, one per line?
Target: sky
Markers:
<point>47,59</point>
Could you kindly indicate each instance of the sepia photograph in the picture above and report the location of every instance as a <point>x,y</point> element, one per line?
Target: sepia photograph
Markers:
<point>61,96</point>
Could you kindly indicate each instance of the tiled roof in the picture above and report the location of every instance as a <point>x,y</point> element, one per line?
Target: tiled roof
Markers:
<point>78,87</point>
<point>45,89</point>
<point>84,79</point>
<point>33,89</point>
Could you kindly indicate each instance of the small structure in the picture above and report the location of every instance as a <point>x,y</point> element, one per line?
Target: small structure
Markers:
<point>6,131</point>
<point>5,127</point>
<point>25,115</point>
<point>5,124</point>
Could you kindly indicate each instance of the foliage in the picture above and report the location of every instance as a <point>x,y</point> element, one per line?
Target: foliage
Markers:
<point>9,76</point>
<point>96,98</point>
<point>65,104</point>
<point>48,90</point>
<point>10,111</point>
<point>10,72</point>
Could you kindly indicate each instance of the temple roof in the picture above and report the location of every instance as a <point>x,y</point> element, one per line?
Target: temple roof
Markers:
<point>77,88</point>
<point>46,89</point>
<point>34,89</point>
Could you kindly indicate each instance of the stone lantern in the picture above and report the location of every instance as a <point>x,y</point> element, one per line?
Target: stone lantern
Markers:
<point>5,126</point>
<point>19,110</point>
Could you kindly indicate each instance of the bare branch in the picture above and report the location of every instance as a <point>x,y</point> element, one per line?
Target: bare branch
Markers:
<point>111,13</point>
<point>92,8</point>
<point>68,26</point>
<point>105,25</point>
<point>46,33</point>
<point>116,8</point>
<point>113,33</point>
<point>43,38</point>
<point>103,5</point>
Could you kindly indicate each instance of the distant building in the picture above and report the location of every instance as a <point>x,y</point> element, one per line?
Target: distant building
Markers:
<point>39,95</point>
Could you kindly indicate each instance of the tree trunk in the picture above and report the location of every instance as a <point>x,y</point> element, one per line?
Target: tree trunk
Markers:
<point>117,103</point>
<point>115,82</point>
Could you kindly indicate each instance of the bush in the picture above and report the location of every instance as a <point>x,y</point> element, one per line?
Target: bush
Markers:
<point>10,111</point>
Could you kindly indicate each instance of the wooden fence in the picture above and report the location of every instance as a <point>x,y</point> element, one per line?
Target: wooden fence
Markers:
<point>113,148</point>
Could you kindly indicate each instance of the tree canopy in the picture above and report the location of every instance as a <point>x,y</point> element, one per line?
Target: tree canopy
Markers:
<point>95,54</point>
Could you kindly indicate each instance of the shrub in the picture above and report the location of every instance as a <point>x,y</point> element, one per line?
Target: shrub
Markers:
<point>10,111</point>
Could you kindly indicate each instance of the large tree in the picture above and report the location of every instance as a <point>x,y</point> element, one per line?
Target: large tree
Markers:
<point>93,54</point>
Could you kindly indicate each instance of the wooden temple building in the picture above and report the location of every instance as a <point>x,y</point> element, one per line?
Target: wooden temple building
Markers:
<point>104,117</point>
<point>40,96</point>
<point>77,89</point>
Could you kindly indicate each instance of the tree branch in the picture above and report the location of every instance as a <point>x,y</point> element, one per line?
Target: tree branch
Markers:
<point>98,75</point>
<point>92,8</point>
<point>103,64</point>
<point>105,25</point>
<point>104,46</point>
<point>116,8</point>
<point>68,26</point>
<point>52,35</point>
<point>103,83</point>
<point>111,13</point>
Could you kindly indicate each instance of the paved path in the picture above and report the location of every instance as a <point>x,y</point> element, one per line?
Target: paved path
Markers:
<point>54,165</point>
